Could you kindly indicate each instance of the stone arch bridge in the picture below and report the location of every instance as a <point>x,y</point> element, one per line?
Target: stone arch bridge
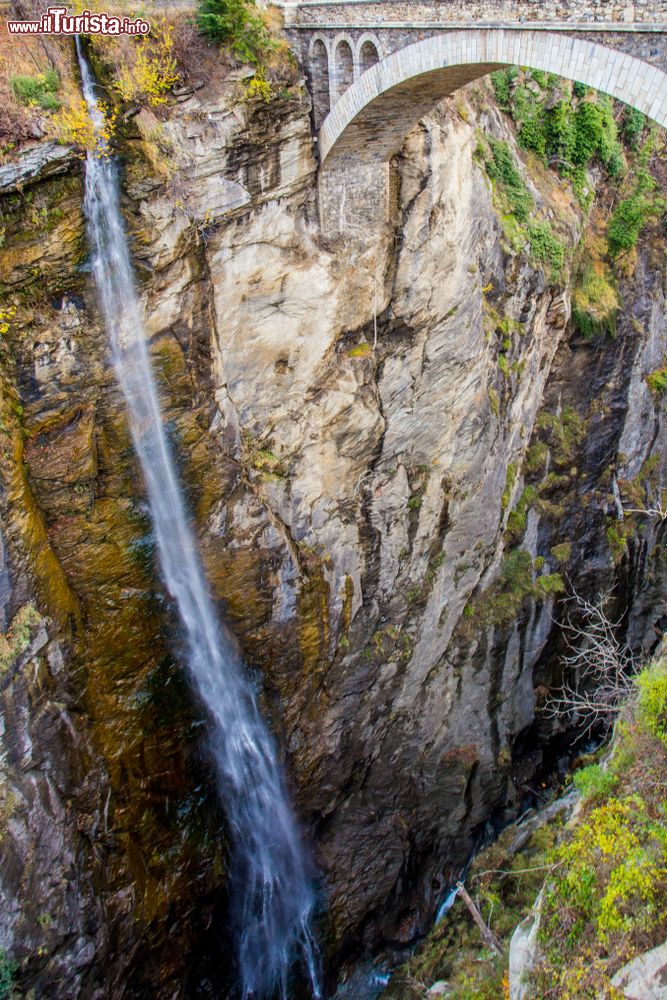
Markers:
<point>375,67</point>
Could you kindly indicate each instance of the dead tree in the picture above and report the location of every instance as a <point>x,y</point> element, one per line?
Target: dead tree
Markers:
<point>601,668</point>
<point>488,937</point>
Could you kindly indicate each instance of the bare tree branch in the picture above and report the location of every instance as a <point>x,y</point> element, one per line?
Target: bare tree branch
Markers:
<point>601,668</point>
<point>489,938</point>
<point>659,511</point>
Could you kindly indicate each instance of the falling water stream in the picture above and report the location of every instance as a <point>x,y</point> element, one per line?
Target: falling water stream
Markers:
<point>272,897</point>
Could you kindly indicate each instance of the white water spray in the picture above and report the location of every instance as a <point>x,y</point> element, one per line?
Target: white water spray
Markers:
<point>272,898</point>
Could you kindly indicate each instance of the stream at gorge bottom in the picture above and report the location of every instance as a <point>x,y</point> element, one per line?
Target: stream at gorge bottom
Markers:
<point>552,767</point>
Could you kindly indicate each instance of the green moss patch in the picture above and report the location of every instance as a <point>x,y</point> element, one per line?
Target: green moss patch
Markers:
<point>657,381</point>
<point>16,640</point>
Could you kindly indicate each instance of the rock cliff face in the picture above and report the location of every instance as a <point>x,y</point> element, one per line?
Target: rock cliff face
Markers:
<point>352,448</point>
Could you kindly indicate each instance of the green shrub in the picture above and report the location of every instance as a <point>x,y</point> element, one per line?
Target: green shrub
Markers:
<point>566,434</point>
<point>502,83</point>
<point>633,126</point>
<point>561,137</point>
<point>595,134</point>
<point>587,132</point>
<point>604,901</point>
<point>657,381</point>
<point>536,456</point>
<point>516,522</point>
<point>612,878</point>
<point>516,525</point>
<point>572,132</point>
<point>37,91</point>
<point>532,136</point>
<point>545,247</point>
<point>26,89</point>
<point>594,782</point>
<point>595,301</point>
<point>613,160</point>
<point>582,187</point>
<point>235,23</point>
<point>525,104</point>
<point>616,164</point>
<point>627,222</point>
<point>503,601</point>
<point>516,573</point>
<point>503,169</point>
<point>51,80</point>
<point>49,102</point>
<point>618,533</point>
<point>562,551</point>
<point>549,583</point>
<point>652,701</point>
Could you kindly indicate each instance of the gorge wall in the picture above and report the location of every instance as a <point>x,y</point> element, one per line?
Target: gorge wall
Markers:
<point>355,425</point>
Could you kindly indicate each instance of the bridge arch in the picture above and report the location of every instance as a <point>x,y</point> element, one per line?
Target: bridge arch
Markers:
<point>320,78</point>
<point>368,52</point>
<point>343,65</point>
<point>374,114</point>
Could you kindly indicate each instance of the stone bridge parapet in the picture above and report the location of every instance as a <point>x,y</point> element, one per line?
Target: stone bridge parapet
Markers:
<point>469,12</point>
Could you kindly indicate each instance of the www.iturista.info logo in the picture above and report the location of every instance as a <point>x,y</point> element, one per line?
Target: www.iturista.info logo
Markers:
<point>59,21</point>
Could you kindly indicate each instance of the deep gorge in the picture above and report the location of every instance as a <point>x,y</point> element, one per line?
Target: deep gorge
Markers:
<point>400,458</point>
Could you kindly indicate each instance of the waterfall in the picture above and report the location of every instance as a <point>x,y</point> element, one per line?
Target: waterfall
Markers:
<point>272,898</point>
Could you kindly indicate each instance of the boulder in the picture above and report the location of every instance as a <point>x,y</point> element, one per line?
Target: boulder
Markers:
<point>523,952</point>
<point>645,978</point>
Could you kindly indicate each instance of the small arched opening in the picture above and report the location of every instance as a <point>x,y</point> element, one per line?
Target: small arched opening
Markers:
<point>368,55</point>
<point>319,71</point>
<point>344,67</point>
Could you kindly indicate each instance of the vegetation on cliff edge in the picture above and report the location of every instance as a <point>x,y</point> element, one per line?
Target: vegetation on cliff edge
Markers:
<point>605,151</point>
<point>606,897</point>
<point>604,876</point>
